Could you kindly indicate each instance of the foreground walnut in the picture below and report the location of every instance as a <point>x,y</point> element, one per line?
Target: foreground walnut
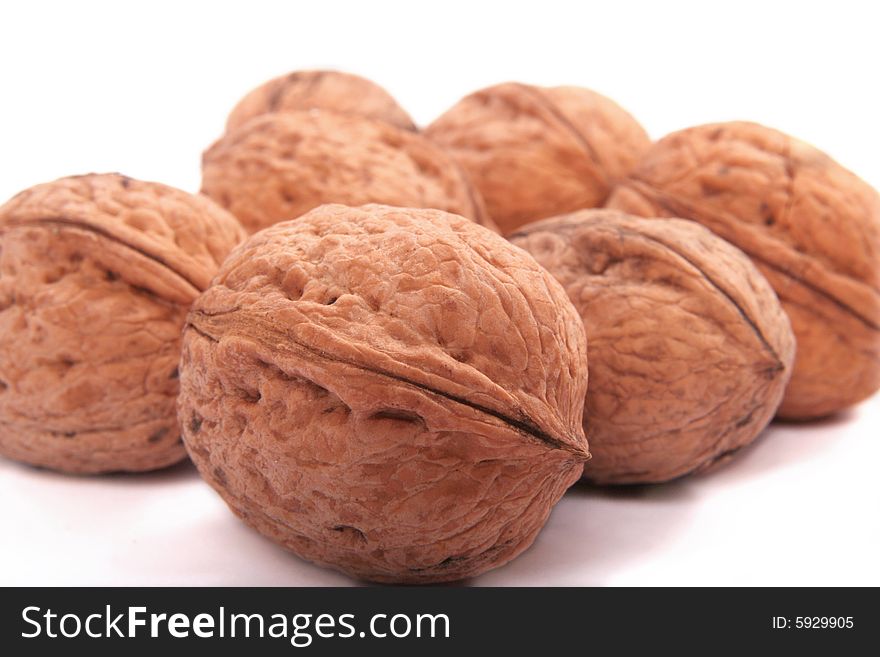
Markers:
<point>279,166</point>
<point>812,228</point>
<point>96,276</point>
<point>328,90</point>
<point>396,393</point>
<point>536,152</point>
<point>690,349</point>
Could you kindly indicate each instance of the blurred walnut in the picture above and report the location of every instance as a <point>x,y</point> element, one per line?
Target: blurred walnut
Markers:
<point>96,276</point>
<point>396,393</point>
<point>689,348</point>
<point>535,152</point>
<point>279,166</point>
<point>812,228</point>
<point>327,90</point>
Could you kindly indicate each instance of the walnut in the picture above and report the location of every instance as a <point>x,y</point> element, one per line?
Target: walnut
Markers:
<point>689,347</point>
<point>536,152</point>
<point>329,90</point>
<point>278,166</point>
<point>96,276</point>
<point>396,393</point>
<point>812,228</point>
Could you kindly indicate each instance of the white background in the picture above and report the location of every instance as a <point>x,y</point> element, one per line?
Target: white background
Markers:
<point>143,88</point>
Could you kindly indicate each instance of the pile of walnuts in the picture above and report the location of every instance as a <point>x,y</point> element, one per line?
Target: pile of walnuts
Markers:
<point>373,341</point>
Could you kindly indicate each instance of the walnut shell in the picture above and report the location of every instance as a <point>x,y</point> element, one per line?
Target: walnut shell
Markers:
<point>279,166</point>
<point>96,276</point>
<point>329,90</point>
<point>812,228</point>
<point>689,347</point>
<point>535,152</point>
<point>395,393</point>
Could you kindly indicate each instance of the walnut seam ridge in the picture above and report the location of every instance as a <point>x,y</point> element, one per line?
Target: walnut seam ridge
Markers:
<point>521,426</point>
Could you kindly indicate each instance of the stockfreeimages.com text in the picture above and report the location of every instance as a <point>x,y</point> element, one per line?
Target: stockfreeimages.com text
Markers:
<point>299,629</point>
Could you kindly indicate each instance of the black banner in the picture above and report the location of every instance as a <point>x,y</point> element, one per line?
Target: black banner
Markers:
<point>431,620</point>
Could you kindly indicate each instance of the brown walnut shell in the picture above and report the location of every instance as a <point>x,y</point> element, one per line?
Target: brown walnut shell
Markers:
<point>328,90</point>
<point>689,347</point>
<point>97,274</point>
<point>279,166</point>
<point>536,152</point>
<point>395,393</point>
<point>812,228</point>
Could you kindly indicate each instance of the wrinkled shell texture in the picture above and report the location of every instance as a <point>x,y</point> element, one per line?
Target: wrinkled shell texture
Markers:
<point>328,90</point>
<point>393,393</point>
<point>279,166</point>
<point>536,152</point>
<point>689,347</point>
<point>812,228</point>
<point>97,274</point>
